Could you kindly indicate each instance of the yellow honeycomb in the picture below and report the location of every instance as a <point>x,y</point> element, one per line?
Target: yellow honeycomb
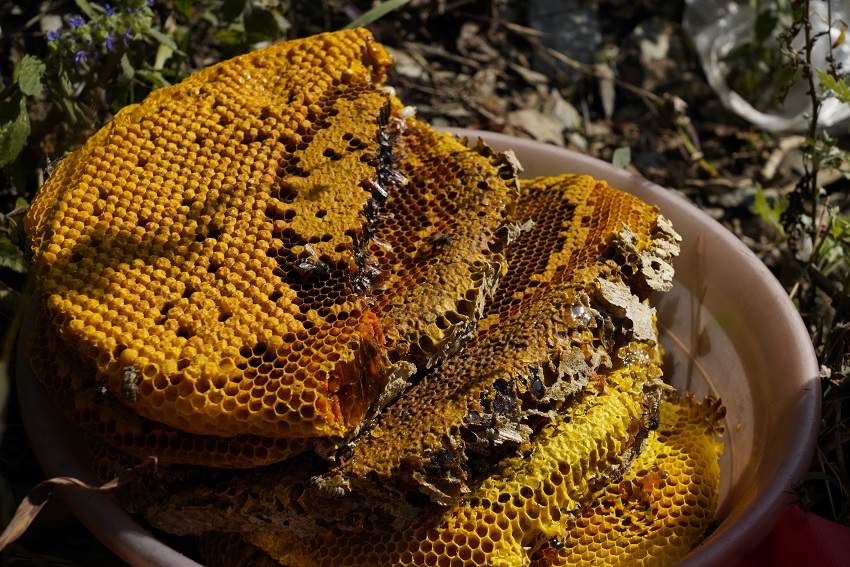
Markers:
<point>157,244</point>
<point>211,252</point>
<point>436,165</point>
<point>517,507</point>
<point>70,382</point>
<point>664,505</point>
<point>653,516</point>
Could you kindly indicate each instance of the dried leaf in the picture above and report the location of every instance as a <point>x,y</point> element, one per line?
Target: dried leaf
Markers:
<point>622,157</point>
<point>40,494</point>
<point>538,125</point>
<point>562,111</point>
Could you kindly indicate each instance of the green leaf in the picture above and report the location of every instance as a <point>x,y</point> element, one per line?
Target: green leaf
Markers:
<point>229,37</point>
<point>163,53</point>
<point>261,24</point>
<point>11,256</point>
<point>764,27</point>
<point>162,38</point>
<point>86,8</point>
<point>153,77</point>
<point>771,213</point>
<point>622,157</point>
<point>839,87</point>
<point>14,130</point>
<point>28,75</point>
<point>127,67</point>
<point>376,13</point>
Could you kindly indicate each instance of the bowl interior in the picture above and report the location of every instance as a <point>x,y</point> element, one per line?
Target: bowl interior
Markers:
<point>730,331</point>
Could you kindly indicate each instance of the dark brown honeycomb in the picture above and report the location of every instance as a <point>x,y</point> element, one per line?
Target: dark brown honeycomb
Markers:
<point>437,240</point>
<point>227,550</point>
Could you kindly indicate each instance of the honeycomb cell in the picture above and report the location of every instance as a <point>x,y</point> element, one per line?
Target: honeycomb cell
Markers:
<point>72,386</point>
<point>196,192</point>
<point>226,550</point>
<point>628,521</point>
<point>556,322</point>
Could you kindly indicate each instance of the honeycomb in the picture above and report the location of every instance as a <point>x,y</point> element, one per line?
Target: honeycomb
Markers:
<point>437,165</point>
<point>205,257</point>
<point>516,508</point>
<point>551,327</point>
<point>69,381</point>
<point>654,515</point>
<point>226,550</point>
<point>273,265</point>
<point>437,243</point>
<point>664,505</point>
<point>166,244</point>
<point>541,344</point>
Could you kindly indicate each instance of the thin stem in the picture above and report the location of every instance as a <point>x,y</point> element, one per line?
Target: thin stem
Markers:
<point>812,165</point>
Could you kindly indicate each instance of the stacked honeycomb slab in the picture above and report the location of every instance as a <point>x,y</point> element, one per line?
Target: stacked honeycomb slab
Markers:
<point>660,509</point>
<point>552,330</point>
<point>274,266</point>
<point>271,308</point>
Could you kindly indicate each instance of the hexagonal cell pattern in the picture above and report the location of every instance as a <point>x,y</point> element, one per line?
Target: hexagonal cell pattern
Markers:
<point>546,337</point>
<point>653,516</point>
<point>665,503</point>
<point>520,505</point>
<point>253,245</point>
<point>70,382</point>
<point>166,244</point>
<point>546,333</point>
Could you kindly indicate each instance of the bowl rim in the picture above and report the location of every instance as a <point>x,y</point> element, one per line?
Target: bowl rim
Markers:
<point>52,443</point>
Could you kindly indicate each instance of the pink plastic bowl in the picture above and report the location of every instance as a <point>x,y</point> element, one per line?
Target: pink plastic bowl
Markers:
<point>728,328</point>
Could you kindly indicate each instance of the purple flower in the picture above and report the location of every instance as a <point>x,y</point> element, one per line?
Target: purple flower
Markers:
<point>109,43</point>
<point>76,21</point>
<point>149,3</point>
<point>127,37</point>
<point>53,35</point>
<point>81,57</point>
<point>108,9</point>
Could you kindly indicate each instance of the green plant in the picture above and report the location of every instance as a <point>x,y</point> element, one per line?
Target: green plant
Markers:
<point>816,244</point>
<point>758,69</point>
